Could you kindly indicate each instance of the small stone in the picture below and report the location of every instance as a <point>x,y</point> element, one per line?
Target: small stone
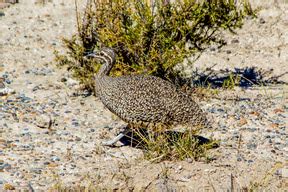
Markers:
<point>6,91</point>
<point>277,141</point>
<point>242,121</point>
<point>23,98</point>
<point>235,41</point>
<point>262,21</point>
<point>278,110</point>
<point>43,121</point>
<point>63,79</point>
<point>36,170</point>
<point>212,49</point>
<point>179,168</point>
<point>71,82</point>
<point>251,146</point>
<point>267,136</point>
<point>2,14</point>
<point>252,129</point>
<point>250,161</point>
<point>37,87</point>
<point>55,158</point>
<point>239,157</point>
<point>75,123</point>
<point>283,172</point>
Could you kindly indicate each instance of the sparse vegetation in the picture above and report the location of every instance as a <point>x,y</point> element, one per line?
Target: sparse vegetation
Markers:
<point>231,81</point>
<point>149,36</point>
<point>171,145</point>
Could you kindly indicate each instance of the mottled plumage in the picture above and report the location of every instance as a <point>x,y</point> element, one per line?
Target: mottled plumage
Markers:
<point>145,101</point>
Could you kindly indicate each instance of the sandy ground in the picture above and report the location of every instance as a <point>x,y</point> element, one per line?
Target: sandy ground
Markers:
<point>251,123</point>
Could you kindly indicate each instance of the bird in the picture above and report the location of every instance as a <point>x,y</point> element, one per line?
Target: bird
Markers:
<point>144,101</point>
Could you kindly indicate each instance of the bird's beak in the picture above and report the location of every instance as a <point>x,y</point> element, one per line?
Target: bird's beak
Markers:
<point>92,54</point>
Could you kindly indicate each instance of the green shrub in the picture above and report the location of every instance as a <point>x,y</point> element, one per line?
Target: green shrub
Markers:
<point>149,36</point>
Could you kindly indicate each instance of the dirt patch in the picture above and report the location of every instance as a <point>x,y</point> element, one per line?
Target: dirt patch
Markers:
<point>50,133</point>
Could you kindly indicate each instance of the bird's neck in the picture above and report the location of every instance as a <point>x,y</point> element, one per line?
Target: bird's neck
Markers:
<point>102,77</point>
<point>104,70</point>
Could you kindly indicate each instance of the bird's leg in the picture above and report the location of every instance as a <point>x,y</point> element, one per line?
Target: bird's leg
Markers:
<point>117,138</point>
<point>114,140</point>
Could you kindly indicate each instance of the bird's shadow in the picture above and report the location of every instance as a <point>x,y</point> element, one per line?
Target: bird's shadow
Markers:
<point>137,139</point>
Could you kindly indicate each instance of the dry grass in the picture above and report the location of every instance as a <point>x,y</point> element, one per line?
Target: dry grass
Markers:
<point>172,145</point>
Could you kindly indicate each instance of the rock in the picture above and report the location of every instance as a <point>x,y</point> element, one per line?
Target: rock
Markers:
<point>40,71</point>
<point>36,170</point>
<point>6,91</point>
<point>251,146</point>
<point>75,123</point>
<point>283,172</point>
<point>234,41</point>
<point>250,161</point>
<point>23,98</point>
<point>71,83</point>
<point>43,121</point>
<point>277,141</point>
<point>4,166</point>
<point>55,158</point>
<point>262,21</point>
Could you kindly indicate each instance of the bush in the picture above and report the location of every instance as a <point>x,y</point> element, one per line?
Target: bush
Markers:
<point>149,38</point>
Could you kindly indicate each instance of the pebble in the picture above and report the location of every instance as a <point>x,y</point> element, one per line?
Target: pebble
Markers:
<point>277,141</point>
<point>250,161</point>
<point>6,91</point>
<point>55,158</point>
<point>40,71</point>
<point>36,170</point>
<point>42,121</point>
<point>252,129</point>
<point>71,82</point>
<point>4,166</point>
<point>240,157</point>
<point>283,172</point>
<point>234,41</point>
<point>262,21</point>
<point>23,98</point>
<point>251,146</point>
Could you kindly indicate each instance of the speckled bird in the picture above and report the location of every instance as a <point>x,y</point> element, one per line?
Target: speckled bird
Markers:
<point>144,101</point>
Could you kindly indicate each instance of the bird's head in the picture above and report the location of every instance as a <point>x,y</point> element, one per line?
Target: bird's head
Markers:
<point>106,54</point>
